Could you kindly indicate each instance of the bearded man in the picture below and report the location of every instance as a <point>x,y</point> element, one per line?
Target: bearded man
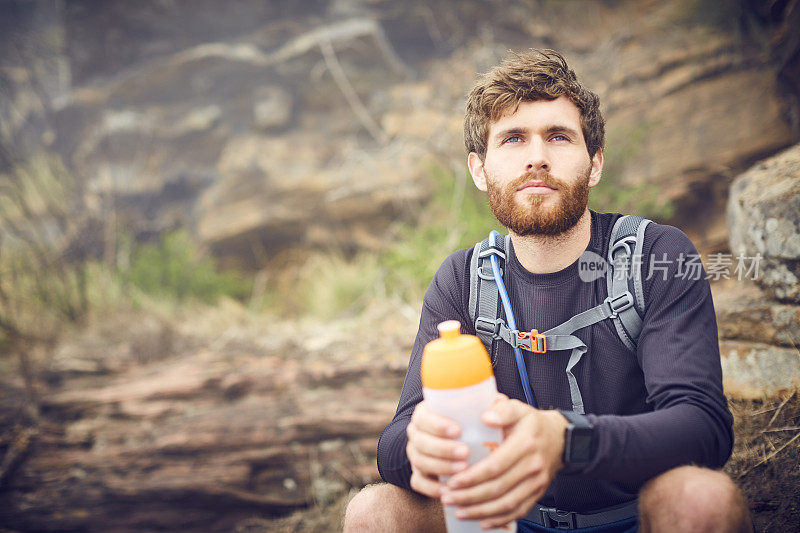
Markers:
<point>656,417</point>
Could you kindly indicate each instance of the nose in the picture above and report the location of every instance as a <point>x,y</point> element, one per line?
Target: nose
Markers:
<point>537,156</point>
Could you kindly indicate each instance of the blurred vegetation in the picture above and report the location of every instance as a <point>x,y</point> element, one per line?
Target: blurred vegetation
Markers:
<point>327,285</point>
<point>62,259</point>
<point>174,268</point>
<point>43,278</point>
<point>613,196</point>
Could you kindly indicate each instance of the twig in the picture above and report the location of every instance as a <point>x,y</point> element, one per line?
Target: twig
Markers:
<point>774,430</point>
<point>16,452</point>
<point>348,476</point>
<point>349,93</point>
<point>770,456</point>
<point>778,411</point>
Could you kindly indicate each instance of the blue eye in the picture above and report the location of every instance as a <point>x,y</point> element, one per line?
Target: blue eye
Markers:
<point>511,139</point>
<point>560,137</point>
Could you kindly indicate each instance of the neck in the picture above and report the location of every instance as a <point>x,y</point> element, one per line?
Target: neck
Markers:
<point>543,254</point>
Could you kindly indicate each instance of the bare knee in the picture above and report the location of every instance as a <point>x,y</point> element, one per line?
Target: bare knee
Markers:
<point>361,510</point>
<point>690,498</point>
<point>384,507</point>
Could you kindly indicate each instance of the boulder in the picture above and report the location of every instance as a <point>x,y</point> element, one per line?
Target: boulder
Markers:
<point>746,313</point>
<point>764,219</point>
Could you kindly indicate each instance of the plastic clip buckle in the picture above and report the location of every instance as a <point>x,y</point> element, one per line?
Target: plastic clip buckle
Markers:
<point>538,342</point>
<point>488,327</point>
<point>558,519</point>
<point>493,250</point>
<point>619,303</point>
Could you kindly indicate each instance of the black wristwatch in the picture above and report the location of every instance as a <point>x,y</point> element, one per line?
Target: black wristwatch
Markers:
<point>578,442</point>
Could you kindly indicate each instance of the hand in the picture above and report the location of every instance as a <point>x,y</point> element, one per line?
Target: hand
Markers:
<point>432,450</point>
<point>506,484</point>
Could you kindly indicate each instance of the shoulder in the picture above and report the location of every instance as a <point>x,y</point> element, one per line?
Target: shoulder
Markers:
<point>670,263</point>
<point>658,238</point>
<point>447,297</point>
<point>453,273</point>
<point>663,239</point>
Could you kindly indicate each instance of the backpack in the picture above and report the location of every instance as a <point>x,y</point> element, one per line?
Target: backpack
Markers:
<point>624,305</point>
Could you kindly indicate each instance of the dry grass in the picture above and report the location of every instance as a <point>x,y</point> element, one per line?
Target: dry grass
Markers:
<point>766,459</point>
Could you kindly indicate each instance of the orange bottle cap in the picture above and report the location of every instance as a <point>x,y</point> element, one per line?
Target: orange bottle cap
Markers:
<point>454,360</point>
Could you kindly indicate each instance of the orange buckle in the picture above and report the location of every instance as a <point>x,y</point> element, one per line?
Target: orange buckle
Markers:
<point>536,339</point>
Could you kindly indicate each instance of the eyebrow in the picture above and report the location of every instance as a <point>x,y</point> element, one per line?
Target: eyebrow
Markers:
<point>555,128</point>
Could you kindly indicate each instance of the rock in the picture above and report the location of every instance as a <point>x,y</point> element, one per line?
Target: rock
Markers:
<point>210,437</point>
<point>754,370</point>
<point>272,109</point>
<point>296,189</point>
<point>157,110</point>
<point>745,312</point>
<point>764,218</point>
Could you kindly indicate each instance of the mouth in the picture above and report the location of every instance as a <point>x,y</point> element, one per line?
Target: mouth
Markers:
<point>535,187</point>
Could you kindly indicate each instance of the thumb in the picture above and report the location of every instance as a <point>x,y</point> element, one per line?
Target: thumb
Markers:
<point>500,397</point>
<point>503,413</point>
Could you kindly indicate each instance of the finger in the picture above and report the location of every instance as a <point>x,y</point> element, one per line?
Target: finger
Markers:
<point>436,467</point>
<point>494,488</point>
<point>517,447</point>
<point>426,420</point>
<point>504,412</point>
<point>438,447</point>
<point>505,521</point>
<point>511,504</point>
<point>427,485</point>
<point>500,397</point>
<point>433,466</point>
<point>504,458</point>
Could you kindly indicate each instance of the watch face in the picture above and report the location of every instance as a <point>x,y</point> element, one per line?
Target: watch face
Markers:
<point>581,445</point>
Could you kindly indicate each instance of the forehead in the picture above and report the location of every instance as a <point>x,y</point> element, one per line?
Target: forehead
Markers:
<point>539,115</point>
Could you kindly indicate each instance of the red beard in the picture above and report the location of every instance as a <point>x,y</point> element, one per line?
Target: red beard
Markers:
<point>530,218</point>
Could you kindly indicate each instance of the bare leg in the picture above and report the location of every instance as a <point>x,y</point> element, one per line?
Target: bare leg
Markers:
<point>387,508</point>
<point>689,499</point>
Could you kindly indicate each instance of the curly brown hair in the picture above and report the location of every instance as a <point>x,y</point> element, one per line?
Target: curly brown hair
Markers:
<point>533,75</point>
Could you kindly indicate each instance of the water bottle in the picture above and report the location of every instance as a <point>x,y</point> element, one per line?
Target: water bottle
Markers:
<point>458,383</point>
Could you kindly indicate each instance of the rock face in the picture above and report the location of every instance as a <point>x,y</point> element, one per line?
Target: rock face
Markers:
<point>759,340</point>
<point>231,419</point>
<point>764,218</point>
<point>289,124</point>
<point>754,370</point>
<point>746,313</point>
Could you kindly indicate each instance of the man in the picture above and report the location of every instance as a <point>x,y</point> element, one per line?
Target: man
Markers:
<point>658,420</point>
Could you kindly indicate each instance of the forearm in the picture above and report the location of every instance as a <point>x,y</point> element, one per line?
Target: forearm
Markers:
<point>638,447</point>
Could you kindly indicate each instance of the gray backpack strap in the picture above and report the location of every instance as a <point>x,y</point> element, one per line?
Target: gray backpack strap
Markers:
<point>624,277</point>
<point>561,338</point>
<point>483,294</point>
<point>624,304</point>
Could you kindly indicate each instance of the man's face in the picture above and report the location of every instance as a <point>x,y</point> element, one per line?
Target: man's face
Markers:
<point>537,170</point>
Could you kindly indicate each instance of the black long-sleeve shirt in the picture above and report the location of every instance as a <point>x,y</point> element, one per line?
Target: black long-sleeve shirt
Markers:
<point>659,408</point>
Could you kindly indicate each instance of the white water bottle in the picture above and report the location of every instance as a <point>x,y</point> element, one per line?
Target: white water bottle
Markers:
<point>458,383</point>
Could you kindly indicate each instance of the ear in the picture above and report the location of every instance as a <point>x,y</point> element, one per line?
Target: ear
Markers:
<point>597,168</point>
<point>477,171</point>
